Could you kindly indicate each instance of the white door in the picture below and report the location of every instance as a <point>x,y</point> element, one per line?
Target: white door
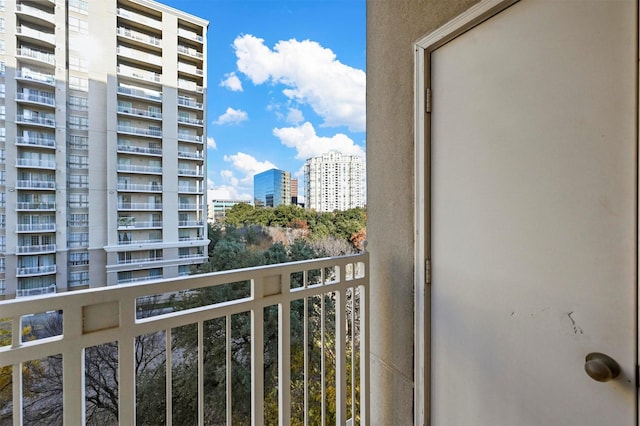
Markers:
<point>533,216</point>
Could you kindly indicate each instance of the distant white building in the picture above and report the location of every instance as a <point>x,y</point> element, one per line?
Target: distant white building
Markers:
<point>334,181</point>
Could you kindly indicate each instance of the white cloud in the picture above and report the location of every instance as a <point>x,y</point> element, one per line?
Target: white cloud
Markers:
<point>312,75</point>
<point>294,116</point>
<point>248,166</point>
<point>308,144</point>
<point>227,193</point>
<point>232,116</point>
<point>232,82</point>
<point>211,143</point>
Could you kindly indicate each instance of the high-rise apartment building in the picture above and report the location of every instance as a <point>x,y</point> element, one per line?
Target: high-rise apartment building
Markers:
<point>294,191</point>
<point>102,154</point>
<point>334,181</point>
<point>272,188</point>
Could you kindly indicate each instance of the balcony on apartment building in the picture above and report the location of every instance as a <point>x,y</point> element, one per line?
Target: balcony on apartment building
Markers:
<point>39,141</point>
<point>137,73</point>
<point>45,120</point>
<point>44,98</point>
<point>34,35</point>
<point>149,40</point>
<point>185,101</point>
<point>37,56</point>
<point>139,187</point>
<point>36,227</point>
<point>36,76</point>
<point>125,110</point>
<point>36,206</point>
<point>133,149</point>
<point>139,224</point>
<point>139,206</point>
<point>35,271</point>
<point>139,260</point>
<point>141,131</point>
<point>141,93</point>
<point>36,291</point>
<point>196,155</point>
<point>188,137</point>
<point>191,35</point>
<point>190,51</point>
<point>133,168</point>
<point>38,15</point>
<point>139,56</point>
<point>190,69</point>
<point>297,364</point>
<point>36,248</point>
<point>35,184</point>
<point>138,18</point>
<point>36,163</point>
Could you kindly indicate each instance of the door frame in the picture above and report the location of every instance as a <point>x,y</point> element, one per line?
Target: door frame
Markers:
<point>472,17</point>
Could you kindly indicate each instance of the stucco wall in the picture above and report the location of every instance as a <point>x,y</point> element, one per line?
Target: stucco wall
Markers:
<point>393,26</point>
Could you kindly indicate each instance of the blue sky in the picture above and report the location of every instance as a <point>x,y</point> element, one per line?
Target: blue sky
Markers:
<point>286,81</point>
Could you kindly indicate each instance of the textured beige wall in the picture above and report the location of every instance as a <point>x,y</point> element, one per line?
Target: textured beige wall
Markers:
<point>393,26</point>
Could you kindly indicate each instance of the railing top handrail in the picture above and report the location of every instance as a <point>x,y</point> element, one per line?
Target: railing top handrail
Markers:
<point>69,300</point>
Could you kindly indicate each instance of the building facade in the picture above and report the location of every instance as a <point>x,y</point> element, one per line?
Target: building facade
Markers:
<point>334,181</point>
<point>272,188</point>
<point>103,157</point>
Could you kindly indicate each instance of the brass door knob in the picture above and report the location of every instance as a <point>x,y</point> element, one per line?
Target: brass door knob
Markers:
<point>601,367</point>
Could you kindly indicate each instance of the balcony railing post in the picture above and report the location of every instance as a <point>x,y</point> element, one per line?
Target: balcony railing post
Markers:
<point>73,369</point>
<point>126,365</point>
<point>341,367</point>
<point>284,354</point>
<point>364,348</point>
<point>257,353</point>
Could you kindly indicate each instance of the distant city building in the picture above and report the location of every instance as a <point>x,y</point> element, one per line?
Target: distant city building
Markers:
<point>294,191</point>
<point>103,144</point>
<point>334,181</point>
<point>218,209</point>
<point>272,188</point>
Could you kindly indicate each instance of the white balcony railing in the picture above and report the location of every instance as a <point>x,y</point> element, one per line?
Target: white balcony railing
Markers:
<point>133,16</point>
<point>38,55</point>
<point>35,34</point>
<point>36,141</point>
<point>36,270</point>
<point>38,99</point>
<point>36,291</point>
<point>37,13</point>
<point>135,35</point>
<point>143,187</point>
<point>40,77</point>
<point>298,356</point>
<point>151,95</point>
<point>36,227</point>
<point>190,35</point>
<point>140,112</point>
<point>188,102</point>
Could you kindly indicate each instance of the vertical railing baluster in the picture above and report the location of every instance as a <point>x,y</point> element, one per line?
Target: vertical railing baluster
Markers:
<point>17,394</point>
<point>323,382</point>
<point>341,377</point>
<point>228,369</point>
<point>16,372</point>
<point>126,363</point>
<point>284,354</point>
<point>257,353</point>
<point>73,368</point>
<point>201,373</point>
<point>364,346</point>
<point>305,352</point>
<point>352,341</point>
<point>169,377</point>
